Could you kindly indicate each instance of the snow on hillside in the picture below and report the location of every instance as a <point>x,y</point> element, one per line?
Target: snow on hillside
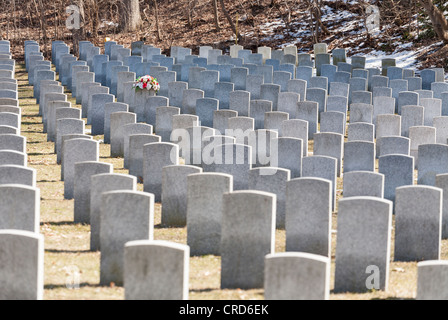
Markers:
<point>347,30</point>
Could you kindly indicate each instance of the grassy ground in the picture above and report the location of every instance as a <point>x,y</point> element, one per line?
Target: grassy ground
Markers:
<point>67,243</point>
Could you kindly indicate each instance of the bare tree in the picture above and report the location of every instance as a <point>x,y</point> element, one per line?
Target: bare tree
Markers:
<point>156,13</point>
<point>439,22</point>
<point>229,18</point>
<point>43,25</point>
<point>130,15</point>
<point>215,14</point>
<point>191,4</point>
<point>316,23</point>
<point>78,33</point>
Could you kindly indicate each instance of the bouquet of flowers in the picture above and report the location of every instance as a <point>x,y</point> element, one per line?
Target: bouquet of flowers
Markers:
<point>147,83</point>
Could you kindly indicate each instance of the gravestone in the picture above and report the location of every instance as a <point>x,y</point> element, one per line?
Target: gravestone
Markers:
<point>321,167</point>
<point>283,77</point>
<point>433,109</point>
<point>441,125</point>
<point>420,135</point>
<point>98,103</point>
<point>109,109</point>
<point>288,153</point>
<point>82,187</point>
<point>208,80</point>
<point>361,131</point>
<point>308,216</point>
<point>136,145</point>
<point>342,89</point>
<point>17,175</point>
<point>238,76</point>
<point>386,63</point>
<point>234,159</point>
<point>8,130</point>
<point>242,262</point>
<point>432,280</point>
<point>358,62</point>
<point>13,142</point>
<point>10,157</point>
<point>133,129</point>
<point>117,229</point>
<point>309,111</point>
<point>270,92</point>
<point>174,194</point>
<point>288,102</point>
<point>359,246</point>
<point>359,156</point>
<point>273,180</point>
<point>382,105</point>
<point>65,127</point>
<point>363,184</point>
<point>100,184</point>
<point>330,145</point>
<point>398,171</point>
<point>298,86</point>
<point>240,102</point>
<point>204,211</point>
<point>76,150</point>
<point>333,121</point>
<point>61,155</point>
<point>21,265</point>
<point>441,182</point>
<point>393,145</point>
<point>378,81</point>
<point>296,128</point>
<point>361,97</point>
<point>318,82</point>
<point>261,142</point>
<point>304,73</point>
<point>319,96</point>
<point>432,160</point>
<point>388,125</point>
<point>296,276</point>
<point>257,111</point>
<point>155,157</point>
<point>117,121</point>
<point>220,119</point>
<point>411,116</point>
<point>19,208</point>
<point>414,83</point>
<point>273,120</point>
<point>164,121</point>
<point>156,270</point>
<point>189,98</point>
<point>407,98</point>
<point>418,216</point>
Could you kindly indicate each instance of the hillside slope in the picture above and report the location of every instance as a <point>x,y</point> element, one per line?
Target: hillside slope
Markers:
<point>274,23</point>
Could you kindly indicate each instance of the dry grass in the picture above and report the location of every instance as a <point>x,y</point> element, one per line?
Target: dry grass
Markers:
<point>67,243</point>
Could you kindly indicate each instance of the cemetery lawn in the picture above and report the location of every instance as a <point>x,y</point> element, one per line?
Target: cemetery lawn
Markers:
<point>67,244</point>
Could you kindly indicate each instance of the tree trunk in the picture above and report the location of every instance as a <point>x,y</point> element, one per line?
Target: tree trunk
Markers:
<point>439,22</point>
<point>43,25</point>
<point>229,18</point>
<point>78,33</point>
<point>156,13</point>
<point>215,13</point>
<point>130,15</point>
<point>96,18</point>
